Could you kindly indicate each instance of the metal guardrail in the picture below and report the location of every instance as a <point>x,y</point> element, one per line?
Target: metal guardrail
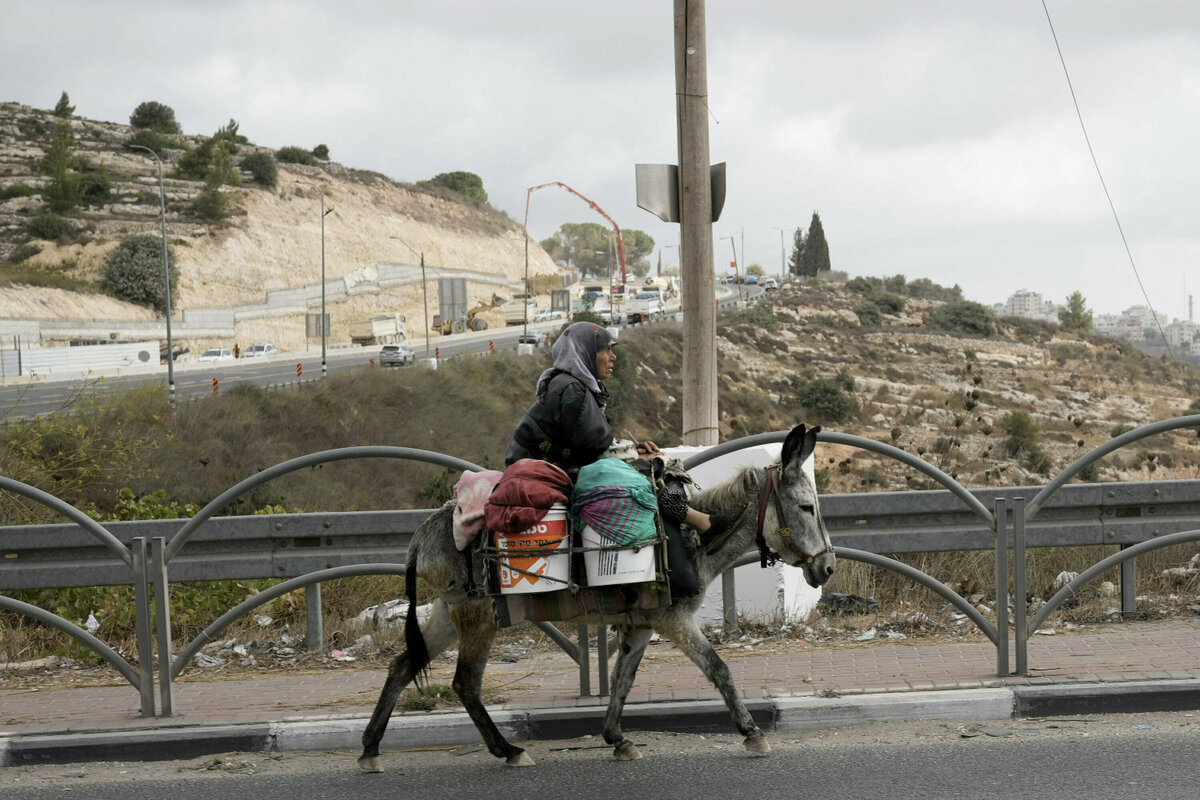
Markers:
<point>310,548</point>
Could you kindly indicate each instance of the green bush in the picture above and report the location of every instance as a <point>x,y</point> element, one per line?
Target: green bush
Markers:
<point>49,226</point>
<point>23,253</point>
<point>321,152</point>
<point>12,190</point>
<point>261,167</point>
<point>295,155</point>
<point>828,400</point>
<point>154,140</point>
<point>868,314</point>
<point>211,205</point>
<point>94,184</point>
<point>155,116</point>
<point>1022,441</point>
<point>757,316</point>
<point>888,303</point>
<point>134,271</point>
<point>964,316</point>
<point>466,184</point>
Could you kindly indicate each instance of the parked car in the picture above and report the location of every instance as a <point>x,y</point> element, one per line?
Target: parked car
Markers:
<point>534,339</point>
<point>547,314</point>
<point>216,354</point>
<point>396,355</point>
<point>259,350</point>
<point>751,280</point>
<point>609,316</point>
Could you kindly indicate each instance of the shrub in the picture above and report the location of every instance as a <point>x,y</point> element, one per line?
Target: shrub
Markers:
<point>15,190</point>
<point>154,140</point>
<point>1022,441</point>
<point>964,316</point>
<point>295,155</point>
<point>49,226</point>
<point>261,167</point>
<point>211,205</point>
<point>23,253</point>
<point>888,303</point>
<point>134,271</point>
<point>208,161</point>
<point>868,314</point>
<point>757,316</point>
<point>64,108</point>
<point>321,152</point>
<point>156,117</point>
<point>94,184</point>
<point>466,184</point>
<point>829,399</point>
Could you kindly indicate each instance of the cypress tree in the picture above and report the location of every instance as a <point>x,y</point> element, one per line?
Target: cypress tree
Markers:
<point>815,259</point>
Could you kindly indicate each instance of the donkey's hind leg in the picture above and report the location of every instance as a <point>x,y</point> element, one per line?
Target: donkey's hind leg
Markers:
<point>687,637</point>
<point>476,627</point>
<point>438,634</point>
<point>629,656</point>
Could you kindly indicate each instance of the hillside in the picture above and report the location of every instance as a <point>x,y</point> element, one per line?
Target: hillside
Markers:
<point>271,243</point>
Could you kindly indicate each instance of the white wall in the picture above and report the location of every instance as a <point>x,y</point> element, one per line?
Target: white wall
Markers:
<point>760,592</point>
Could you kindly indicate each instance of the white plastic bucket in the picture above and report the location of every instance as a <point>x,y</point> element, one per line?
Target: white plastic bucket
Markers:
<point>607,567</point>
<point>540,572</point>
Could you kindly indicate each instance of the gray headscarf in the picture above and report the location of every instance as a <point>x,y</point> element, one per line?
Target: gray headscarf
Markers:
<point>575,353</point>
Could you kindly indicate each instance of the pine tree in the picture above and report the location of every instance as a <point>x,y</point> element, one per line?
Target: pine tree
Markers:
<point>797,256</point>
<point>1076,316</point>
<point>64,108</point>
<point>816,250</point>
<point>63,190</point>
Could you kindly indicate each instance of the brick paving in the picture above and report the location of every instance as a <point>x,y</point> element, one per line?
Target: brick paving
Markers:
<point>1117,653</point>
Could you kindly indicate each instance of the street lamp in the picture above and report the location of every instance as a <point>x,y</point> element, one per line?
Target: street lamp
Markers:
<point>782,268</point>
<point>664,247</point>
<point>735,267</point>
<point>162,197</point>
<point>324,332</point>
<point>424,289</point>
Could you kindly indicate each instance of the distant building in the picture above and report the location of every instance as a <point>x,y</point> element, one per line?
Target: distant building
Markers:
<point>1027,304</point>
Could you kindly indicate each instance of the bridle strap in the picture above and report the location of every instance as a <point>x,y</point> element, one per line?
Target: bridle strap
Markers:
<point>771,491</point>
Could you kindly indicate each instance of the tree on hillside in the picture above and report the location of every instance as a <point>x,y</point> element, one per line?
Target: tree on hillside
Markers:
<point>467,184</point>
<point>815,258</point>
<point>797,256</point>
<point>155,116</point>
<point>638,246</point>
<point>63,190</point>
<point>1075,315</point>
<point>134,271</point>
<point>64,108</point>
<point>756,269</point>
<point>321,152</point>
<point>586,246</point>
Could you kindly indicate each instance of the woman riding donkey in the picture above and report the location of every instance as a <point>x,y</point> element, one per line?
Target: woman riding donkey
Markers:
<point>566,425</point>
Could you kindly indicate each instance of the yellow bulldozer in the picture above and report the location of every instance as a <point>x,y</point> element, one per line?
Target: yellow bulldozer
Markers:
<point>473,321</point>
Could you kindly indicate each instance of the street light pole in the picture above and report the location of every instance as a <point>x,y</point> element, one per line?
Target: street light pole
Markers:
<point>735,265</point>
<point>782,268</point>
<point>162,197</point>
<point>324,368</point>
<point>424,287</point>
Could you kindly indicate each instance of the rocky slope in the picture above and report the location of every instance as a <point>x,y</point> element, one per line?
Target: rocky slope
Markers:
<point>273,241</point>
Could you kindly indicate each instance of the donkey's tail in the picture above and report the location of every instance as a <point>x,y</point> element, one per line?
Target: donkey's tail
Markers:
<point>414,640</point>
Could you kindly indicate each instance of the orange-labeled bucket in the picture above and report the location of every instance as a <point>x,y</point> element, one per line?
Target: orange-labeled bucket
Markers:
<point>537,559</point>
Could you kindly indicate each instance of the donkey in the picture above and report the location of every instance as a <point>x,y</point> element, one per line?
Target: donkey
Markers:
<point>775,508</point>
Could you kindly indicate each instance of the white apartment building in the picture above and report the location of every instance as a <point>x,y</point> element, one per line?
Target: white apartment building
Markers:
<point>1027,304</point>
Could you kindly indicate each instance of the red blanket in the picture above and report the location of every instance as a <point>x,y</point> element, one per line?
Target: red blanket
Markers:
<point>524,494</point>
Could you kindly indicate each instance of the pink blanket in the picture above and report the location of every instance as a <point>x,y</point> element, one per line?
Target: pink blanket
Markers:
<point>470,495</point>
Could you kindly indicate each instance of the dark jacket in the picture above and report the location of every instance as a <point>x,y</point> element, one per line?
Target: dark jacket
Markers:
<point>565,426</point>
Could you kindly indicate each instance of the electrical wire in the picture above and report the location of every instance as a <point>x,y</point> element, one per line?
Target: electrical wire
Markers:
<point>1103,185</point>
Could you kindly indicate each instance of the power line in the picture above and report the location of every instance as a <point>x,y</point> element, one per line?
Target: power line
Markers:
<point>1103,185</point>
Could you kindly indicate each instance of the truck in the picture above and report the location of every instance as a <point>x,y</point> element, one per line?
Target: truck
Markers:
<point>472,321</point>
<point>388,328</point>
<point>667,285</point>
<point>520,309</point>
<point>645,306</point>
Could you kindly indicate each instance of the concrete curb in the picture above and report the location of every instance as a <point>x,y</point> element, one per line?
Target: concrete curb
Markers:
<point>701,716</point>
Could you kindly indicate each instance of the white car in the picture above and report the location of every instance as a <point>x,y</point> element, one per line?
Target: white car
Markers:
<point>259,350</point>
<point>216,354</point>
<point>547,314</point>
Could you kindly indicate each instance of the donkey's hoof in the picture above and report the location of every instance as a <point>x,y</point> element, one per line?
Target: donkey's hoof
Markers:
<point>370,764</point>
<point>520,759</point>
<point>757,745</point>
<point>626,751</point>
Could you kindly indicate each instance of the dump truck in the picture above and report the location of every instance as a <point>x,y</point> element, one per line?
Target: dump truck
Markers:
<point>389,328</point>
<point>520,309</point>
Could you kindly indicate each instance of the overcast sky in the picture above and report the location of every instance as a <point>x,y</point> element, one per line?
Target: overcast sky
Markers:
<point>935,139</point>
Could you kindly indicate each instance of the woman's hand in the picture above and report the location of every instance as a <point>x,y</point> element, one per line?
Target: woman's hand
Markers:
<point>649,450</point>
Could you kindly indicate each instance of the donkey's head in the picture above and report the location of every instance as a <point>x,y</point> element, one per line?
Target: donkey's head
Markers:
<point>801,540</point>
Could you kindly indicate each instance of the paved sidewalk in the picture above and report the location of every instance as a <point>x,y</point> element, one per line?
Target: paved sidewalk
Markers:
<point>1135,667</point>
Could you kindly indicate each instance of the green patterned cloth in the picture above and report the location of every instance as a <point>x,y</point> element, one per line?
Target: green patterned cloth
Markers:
<point>616,501</point>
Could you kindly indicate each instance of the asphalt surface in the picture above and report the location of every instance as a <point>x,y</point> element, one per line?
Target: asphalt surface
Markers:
<point>1117,668</point>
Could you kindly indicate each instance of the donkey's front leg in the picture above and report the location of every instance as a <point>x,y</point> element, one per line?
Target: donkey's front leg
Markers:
<point>693,643</point>
<point>629,656</point>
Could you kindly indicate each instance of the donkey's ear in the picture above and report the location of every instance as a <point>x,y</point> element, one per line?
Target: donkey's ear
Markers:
<point>799,444</point>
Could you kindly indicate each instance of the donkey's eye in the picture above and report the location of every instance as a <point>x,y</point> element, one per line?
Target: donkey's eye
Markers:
<point>807,508</point>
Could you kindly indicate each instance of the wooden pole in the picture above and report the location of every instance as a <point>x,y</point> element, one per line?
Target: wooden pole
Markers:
<point>695,227</point>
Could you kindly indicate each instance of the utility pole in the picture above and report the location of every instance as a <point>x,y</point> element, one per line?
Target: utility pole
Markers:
<point>695,227</point>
